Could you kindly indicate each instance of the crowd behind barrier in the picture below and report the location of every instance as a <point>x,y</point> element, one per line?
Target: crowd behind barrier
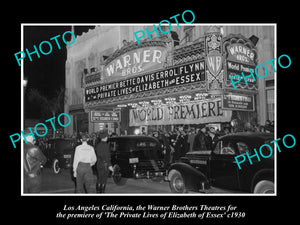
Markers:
<point>175,143</point>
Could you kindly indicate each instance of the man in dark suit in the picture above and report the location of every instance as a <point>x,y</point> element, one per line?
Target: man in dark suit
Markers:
<point>103,162</point>
<point>200,142</point>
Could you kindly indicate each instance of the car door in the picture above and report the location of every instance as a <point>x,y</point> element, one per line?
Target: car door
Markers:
<point>223,167</point>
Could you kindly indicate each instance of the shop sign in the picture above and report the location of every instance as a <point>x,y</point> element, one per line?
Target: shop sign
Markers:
<point>238,102</point>
<point>105,116</point>
<point>171,77</point>
<point>134,62</point>
<point>209,111</point>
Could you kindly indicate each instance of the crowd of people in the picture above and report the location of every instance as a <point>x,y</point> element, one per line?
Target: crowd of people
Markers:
<point>178,142</point>
<point>94,148</point>
<point>176,136</point>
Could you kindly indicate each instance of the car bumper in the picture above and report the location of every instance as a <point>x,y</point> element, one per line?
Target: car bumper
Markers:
<point>149,174</point>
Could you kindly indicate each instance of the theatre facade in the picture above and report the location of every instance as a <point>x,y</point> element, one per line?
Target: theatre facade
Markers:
<point>177,80</point>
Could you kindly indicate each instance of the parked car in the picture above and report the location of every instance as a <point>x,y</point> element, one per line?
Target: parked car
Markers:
<point>200,170</point>
<point>135,156</point>
<point>60,153</point>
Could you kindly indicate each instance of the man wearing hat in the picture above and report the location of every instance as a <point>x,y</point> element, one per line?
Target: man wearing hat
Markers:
<point>33,160</point>
<point>200,139</point>
<point>103,161</point>
<point>84,159</point>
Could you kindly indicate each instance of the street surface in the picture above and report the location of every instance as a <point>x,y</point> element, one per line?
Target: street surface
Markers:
<point>63,183</point>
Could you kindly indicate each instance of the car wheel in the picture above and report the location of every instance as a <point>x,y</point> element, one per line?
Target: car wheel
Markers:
<point>176,183</point>
<point>264,187</point>
<point>117,176</point>
<point>55,166</point>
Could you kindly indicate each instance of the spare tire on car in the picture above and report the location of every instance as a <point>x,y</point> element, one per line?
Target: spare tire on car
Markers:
<point>55,166</point>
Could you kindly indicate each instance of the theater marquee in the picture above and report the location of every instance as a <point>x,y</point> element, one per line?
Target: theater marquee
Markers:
<point>160,79</point>
<point>240,57</point>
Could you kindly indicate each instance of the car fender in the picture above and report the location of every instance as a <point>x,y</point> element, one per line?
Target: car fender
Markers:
<point>263,174</point>
<point>192,177</point>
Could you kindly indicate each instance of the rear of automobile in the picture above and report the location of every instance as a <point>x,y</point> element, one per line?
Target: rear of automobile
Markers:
<point>67,154</point>
<point>64,153</point>
<point>147,160</point>
<point>136,156</point>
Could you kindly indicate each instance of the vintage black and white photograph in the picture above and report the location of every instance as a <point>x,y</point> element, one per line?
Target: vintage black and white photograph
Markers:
<point>149,109</point>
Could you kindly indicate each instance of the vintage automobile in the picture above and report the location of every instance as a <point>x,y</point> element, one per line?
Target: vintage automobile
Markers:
<point>201,170</point>
<point>135,156</point>
<point>60,153</point>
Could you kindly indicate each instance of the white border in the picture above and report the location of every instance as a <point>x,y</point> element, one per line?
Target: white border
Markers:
<point>142,24</point>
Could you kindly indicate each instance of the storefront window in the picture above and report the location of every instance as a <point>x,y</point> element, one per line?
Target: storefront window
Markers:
<point>270,104</point>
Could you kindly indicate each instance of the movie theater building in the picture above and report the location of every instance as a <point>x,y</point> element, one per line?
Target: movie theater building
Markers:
<point>177,79</point>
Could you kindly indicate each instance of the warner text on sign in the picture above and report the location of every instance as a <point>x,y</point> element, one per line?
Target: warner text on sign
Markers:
<point>135,62</point>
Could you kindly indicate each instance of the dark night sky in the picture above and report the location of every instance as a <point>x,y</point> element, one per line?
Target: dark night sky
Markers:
<point>47,73</point>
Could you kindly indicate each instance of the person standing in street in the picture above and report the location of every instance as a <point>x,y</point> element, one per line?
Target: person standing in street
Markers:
<point>84,159</point>
<point>103,162</point>
<point>214,137</point>
<point>179,146</point>
<point>200,139</point>
<point>191,139</point>
<point>34,159</point>
<point>185,143</point>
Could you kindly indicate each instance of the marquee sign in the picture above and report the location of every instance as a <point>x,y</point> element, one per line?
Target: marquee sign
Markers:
<point>240,53</point>
<point>214,59</point>
<point>240,57</point>
<point>159,79</point>
<point>208,111</point>
<point>238,102</point>
<point>214,63</point>
<point>105,116</point>
<point>234,68</point>
<point>134,62</point>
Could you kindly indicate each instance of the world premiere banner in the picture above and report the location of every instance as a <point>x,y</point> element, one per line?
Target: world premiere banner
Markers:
<point>200,112</point>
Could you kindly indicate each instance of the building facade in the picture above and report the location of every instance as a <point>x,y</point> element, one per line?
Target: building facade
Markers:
<point>177,79</point>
